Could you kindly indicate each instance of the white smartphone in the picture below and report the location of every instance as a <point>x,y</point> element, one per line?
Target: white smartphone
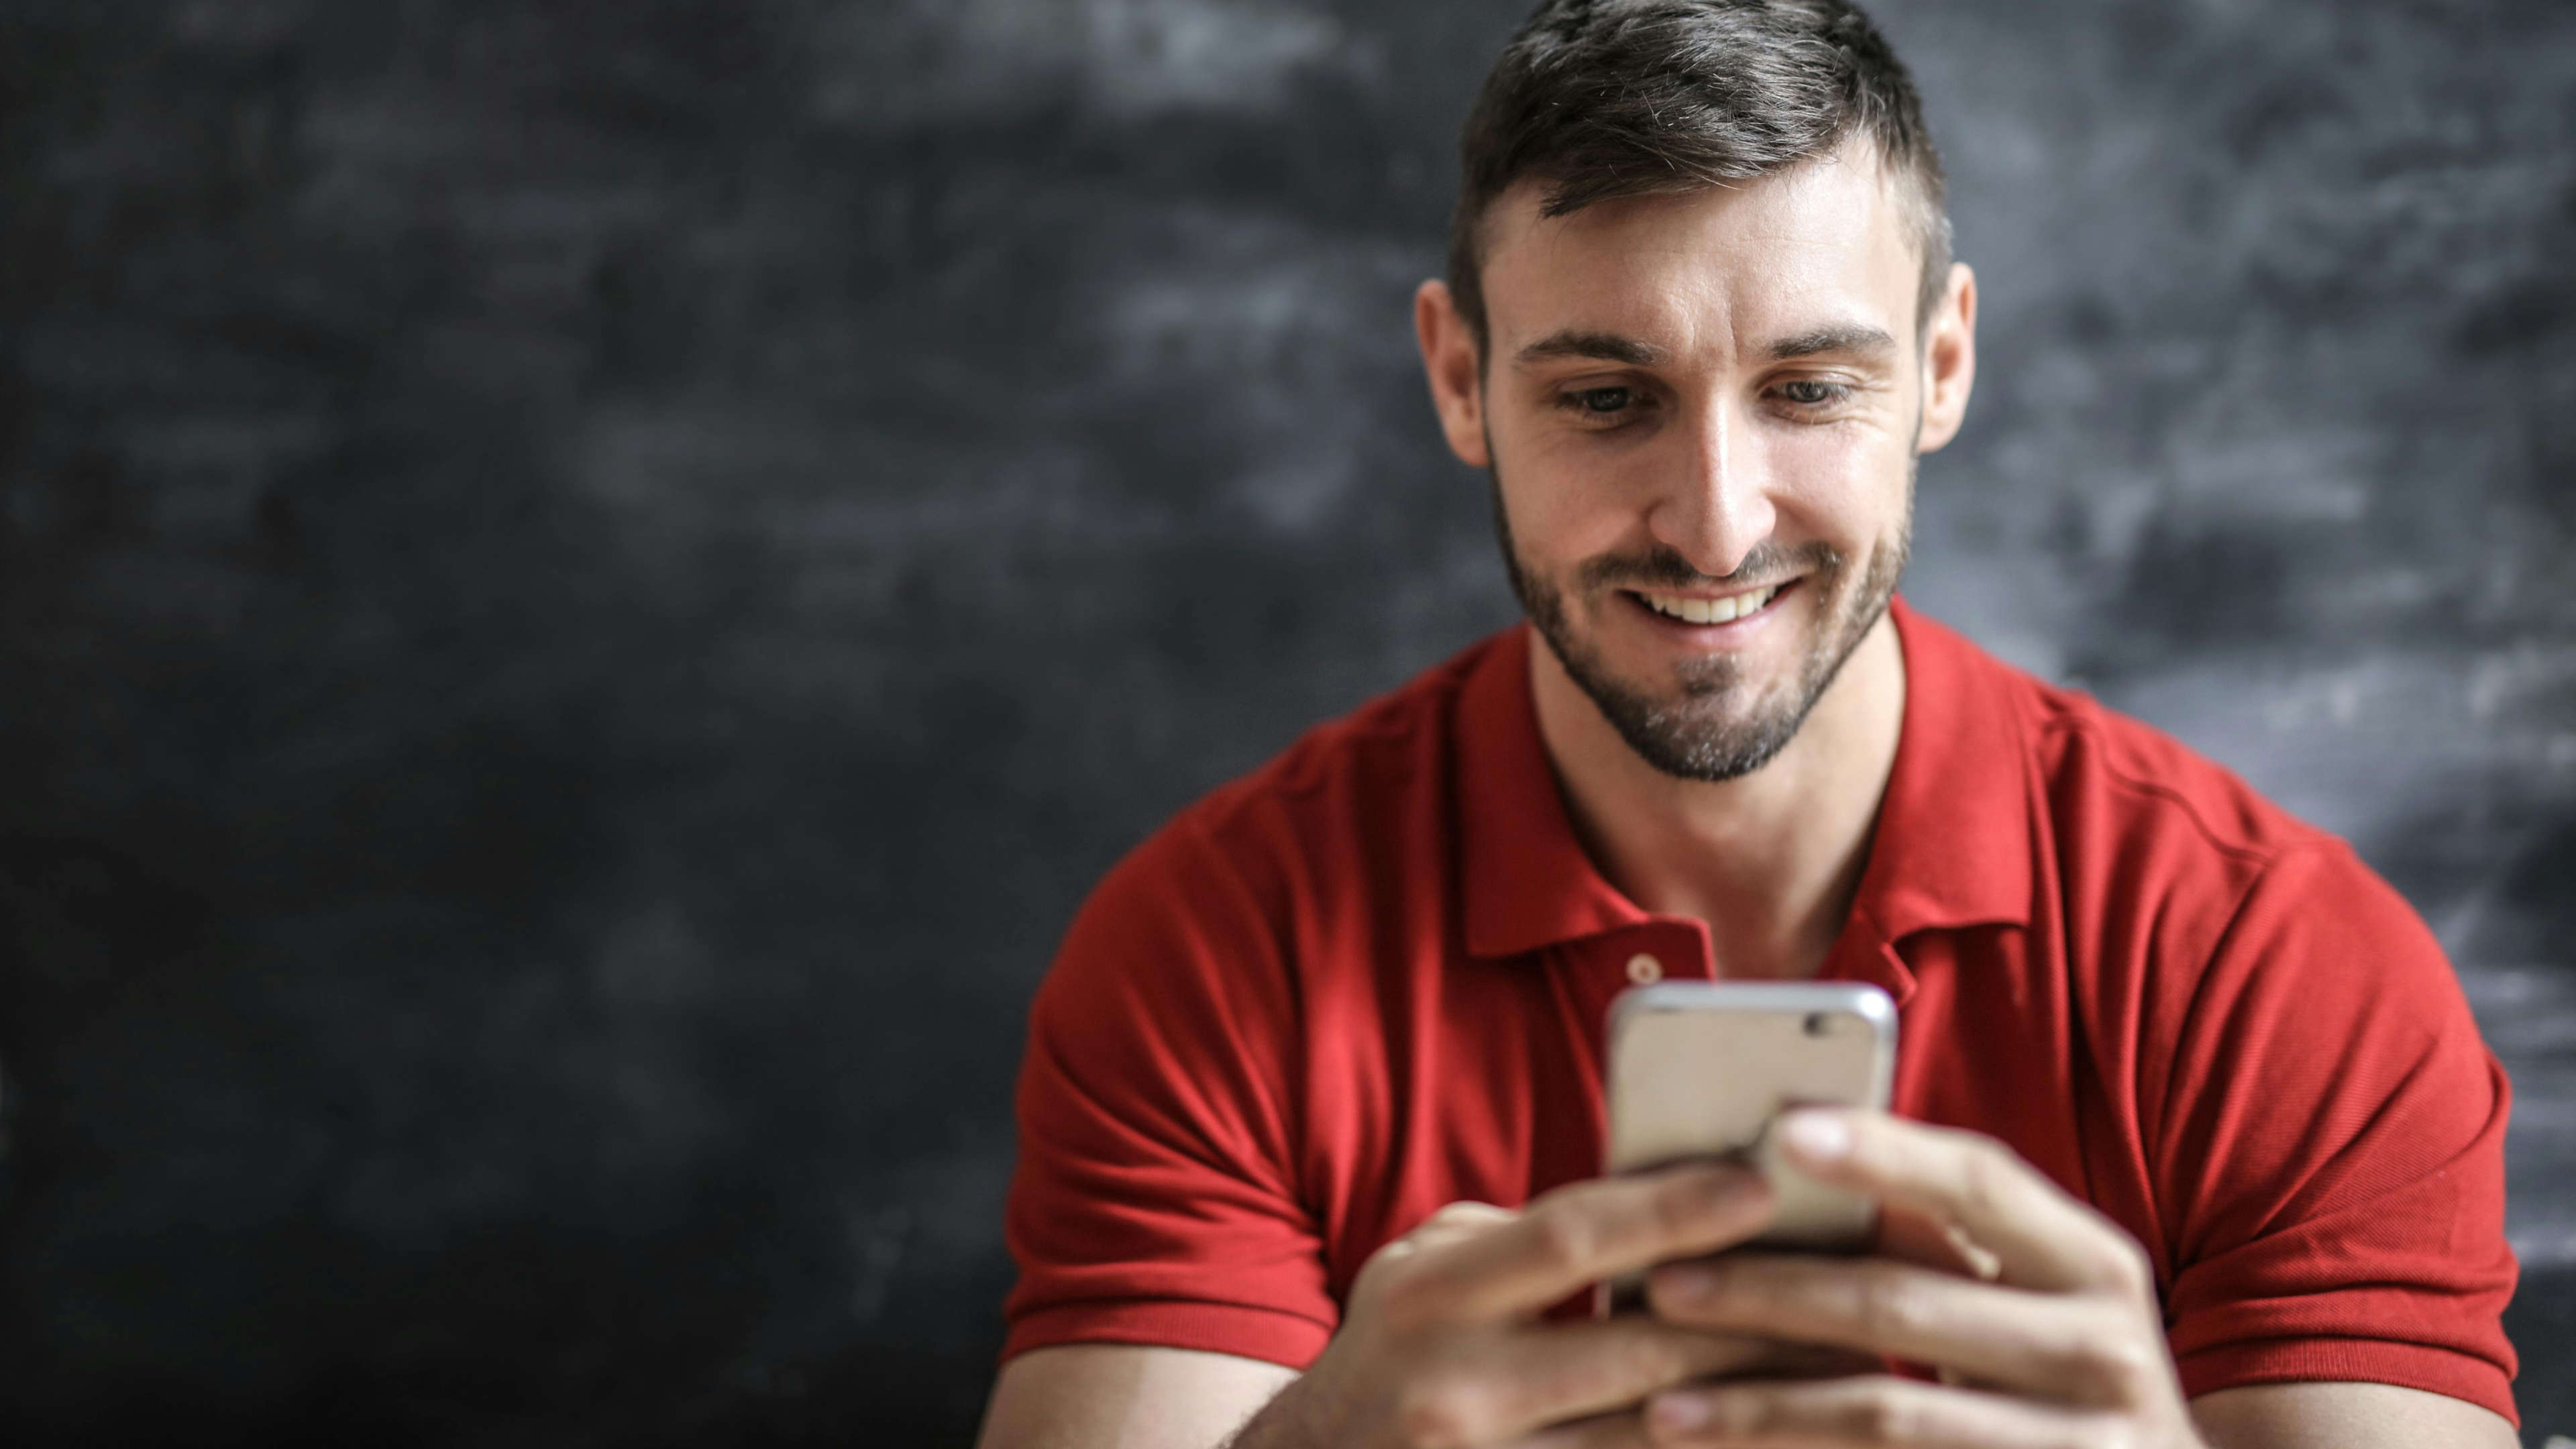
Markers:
<point>1698,1069</point>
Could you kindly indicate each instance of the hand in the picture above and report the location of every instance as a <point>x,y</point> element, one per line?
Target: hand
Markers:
<point>2063,1347</point>
<point>1442,1342</point>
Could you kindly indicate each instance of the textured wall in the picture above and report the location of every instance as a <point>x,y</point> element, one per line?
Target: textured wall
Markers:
<point>583,587</point>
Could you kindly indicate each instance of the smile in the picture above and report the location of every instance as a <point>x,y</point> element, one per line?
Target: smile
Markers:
<point>1709,611</point>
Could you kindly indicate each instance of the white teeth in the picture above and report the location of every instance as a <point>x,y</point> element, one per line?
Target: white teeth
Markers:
<point>1709,611</point>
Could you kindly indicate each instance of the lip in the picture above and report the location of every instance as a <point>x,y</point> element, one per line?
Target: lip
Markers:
<point>1730,632</point>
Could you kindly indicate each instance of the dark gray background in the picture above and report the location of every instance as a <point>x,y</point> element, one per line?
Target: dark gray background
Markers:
<point>584,586</point>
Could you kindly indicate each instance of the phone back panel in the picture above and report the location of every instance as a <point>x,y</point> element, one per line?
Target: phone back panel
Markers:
<point>1699,1069</point>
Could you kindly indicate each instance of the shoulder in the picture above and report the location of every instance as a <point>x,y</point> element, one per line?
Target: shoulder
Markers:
<point>2179,887</point>
<point>2093,761</point>
<point>2121,807</point>
<point>2147,854</point>
<point>2222,864</point>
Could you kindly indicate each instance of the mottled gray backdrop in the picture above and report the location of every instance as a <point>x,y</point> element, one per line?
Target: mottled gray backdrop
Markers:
<point>584,586</point>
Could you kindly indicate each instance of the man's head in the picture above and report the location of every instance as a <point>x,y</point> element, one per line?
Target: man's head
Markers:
<point>1598,99</point>
<point>1701,318</point>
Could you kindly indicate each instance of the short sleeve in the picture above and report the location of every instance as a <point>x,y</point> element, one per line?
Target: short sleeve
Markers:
<point>1155,1197</point>
<point>2333,1162</point>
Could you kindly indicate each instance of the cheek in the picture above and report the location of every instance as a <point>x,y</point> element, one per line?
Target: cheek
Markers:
<point>1564,503</point>
<point>1832,459</point>
<point>1561,520</point>
<point>1848,483</point>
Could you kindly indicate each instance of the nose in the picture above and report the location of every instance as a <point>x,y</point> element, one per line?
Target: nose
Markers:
<point>1716,508</point>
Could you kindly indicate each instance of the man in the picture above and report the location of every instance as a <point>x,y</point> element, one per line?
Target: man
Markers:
<point>2194,1140</point>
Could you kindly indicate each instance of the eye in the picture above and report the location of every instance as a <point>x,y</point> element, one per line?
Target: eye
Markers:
<point>1808,392</point>
<point>1606,408</point>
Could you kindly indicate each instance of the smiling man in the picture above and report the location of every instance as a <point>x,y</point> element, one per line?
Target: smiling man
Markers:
<point>2194,1140</point>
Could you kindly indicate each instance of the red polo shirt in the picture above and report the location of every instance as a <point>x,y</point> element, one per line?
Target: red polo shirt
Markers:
<point>1370,979</point>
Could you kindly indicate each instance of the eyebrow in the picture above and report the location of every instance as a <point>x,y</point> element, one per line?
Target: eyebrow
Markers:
<point>1612,347</point>
<point>1838,337</point>
<point>1575,342</point>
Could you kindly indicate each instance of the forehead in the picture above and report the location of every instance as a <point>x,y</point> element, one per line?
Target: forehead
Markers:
<point>1725,269</point>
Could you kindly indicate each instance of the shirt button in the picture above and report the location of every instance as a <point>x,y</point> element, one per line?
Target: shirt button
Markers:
<point>1645,970</point>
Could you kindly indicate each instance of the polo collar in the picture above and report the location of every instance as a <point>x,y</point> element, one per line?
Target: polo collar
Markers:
<point>1953,839</point>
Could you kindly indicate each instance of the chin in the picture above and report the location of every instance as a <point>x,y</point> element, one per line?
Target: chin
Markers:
<point>1717,714</point>
<point>1693,733</point>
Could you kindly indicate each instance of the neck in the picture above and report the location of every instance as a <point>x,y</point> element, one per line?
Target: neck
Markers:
<point>1770,860</point>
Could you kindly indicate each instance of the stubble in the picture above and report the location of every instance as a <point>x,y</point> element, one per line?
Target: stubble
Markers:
<point>1706,724</point>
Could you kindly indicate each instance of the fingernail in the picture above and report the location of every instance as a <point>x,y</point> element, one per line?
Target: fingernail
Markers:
<point>1678,1413</point>
<point>1817,1136</point>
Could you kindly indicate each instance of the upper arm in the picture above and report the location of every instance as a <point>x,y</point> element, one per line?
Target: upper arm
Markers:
<point>1125,1396</point>
<point>2329,1152</point>
<point>2344,1416</point>
<point>1157,1197</point>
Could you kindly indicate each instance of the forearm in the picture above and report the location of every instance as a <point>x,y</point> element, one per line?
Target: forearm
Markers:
<point>1293,1419</point>
<point>1125,1396</point>
<point>2344,1416</point>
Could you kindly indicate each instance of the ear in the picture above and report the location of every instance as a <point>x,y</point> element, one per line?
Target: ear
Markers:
<point>1949,360</point>
<point>1449,357</point>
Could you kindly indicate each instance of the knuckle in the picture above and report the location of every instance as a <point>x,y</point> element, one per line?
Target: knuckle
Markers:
<point>1404,1301</point>
<point>2114,1366</point>
<point>2108,1431</point>
<point>2125,1267</point>
<point>1880,1415</point>
<point>1389,1259</point>
<point>1659,1355</point>
<point>1387,1262</point>
<point>1681,1207</point>
<point>1986,1177</point>
<point>1463,1214</point>
<point>1564,1240</point>
<point>1891,1310</point>
<point>1667,1213</point>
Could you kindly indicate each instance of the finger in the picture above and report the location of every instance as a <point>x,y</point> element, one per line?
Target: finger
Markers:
<point>1465,1216</point>
<point>1980,1264</point>
<point>1806,1361</point>
<point>1915,1237</point>
<point>1575,1236</point>
<point>1548,1373</point>
<point>1877,1410</point>
<point>1623,1430</point>
<point>2076,1349</point>
<point>2041,1237</point>
<point>1451,1223</point>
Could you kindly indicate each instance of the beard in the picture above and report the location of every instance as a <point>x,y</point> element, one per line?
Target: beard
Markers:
<point>1711,723</point>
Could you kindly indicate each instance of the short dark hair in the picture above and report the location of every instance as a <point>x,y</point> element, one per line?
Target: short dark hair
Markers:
<point>1611,98</point>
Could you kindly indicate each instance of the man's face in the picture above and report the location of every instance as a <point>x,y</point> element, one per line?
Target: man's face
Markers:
<point>1701,414</point>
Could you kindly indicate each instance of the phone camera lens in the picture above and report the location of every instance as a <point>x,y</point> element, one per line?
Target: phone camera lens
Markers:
<point>1818,1023</point>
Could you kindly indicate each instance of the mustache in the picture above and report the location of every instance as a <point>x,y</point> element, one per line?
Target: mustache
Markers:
<point>1664,567</point>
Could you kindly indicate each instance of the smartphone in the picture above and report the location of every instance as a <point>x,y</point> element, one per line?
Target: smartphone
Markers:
<point>1698,1070</point>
